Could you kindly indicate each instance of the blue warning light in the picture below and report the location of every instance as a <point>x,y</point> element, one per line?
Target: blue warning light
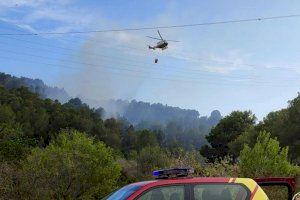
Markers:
<point>173,172</point>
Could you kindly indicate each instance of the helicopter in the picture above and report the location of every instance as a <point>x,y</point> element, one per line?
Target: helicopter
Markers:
<point>162,44</point>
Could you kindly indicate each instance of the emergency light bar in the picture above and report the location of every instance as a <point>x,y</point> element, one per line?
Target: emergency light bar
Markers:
<point>173,172</point>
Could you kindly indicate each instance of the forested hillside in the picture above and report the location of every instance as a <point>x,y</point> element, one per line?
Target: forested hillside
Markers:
<point>176,124</point>
<point>184,125</point>
<point>148,115</point>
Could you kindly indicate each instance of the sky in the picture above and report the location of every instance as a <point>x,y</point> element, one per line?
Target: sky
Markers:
<point>239,66</point>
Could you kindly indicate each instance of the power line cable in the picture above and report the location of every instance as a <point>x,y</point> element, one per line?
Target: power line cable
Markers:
<point>161,27</point>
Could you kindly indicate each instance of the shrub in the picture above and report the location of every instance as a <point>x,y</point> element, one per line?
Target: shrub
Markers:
<point>71,166</point>
<point>265,159</point>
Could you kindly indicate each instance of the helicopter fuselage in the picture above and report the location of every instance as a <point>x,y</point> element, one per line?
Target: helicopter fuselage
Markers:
<point>163,44</point>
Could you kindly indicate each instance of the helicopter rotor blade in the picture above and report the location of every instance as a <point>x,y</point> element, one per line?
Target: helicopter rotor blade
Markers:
<point>173,41</point>
<point>153,38</point>
<point>160,35</point>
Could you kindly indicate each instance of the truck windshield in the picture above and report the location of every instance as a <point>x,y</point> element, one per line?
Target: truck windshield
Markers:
<point>123,193</point>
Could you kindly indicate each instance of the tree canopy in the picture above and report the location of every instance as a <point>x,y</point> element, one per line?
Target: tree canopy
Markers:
<point>228,129</point>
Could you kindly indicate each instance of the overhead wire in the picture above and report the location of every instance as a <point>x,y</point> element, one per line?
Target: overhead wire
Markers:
<point>162,26</point>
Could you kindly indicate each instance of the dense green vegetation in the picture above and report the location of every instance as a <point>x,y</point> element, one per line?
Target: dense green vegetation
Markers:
<point>69,151</point>
<point>180,127</point>
<point>267,154</point>
<point>239,128</point>
<point>227,130</point>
